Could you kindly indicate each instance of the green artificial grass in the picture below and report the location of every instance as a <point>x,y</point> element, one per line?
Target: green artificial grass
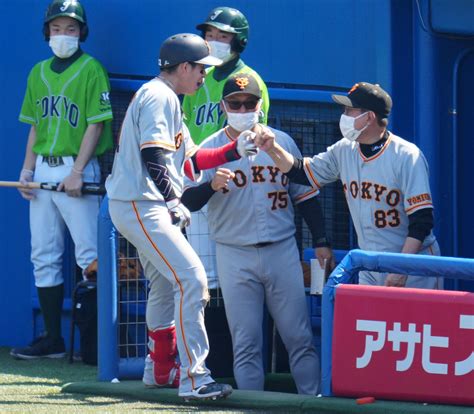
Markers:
<point>36,387</point>
<point>268,401</point>
<point>55,386</point>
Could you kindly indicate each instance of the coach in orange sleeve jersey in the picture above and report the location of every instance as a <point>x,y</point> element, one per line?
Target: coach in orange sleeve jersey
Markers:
<point>385,180</point>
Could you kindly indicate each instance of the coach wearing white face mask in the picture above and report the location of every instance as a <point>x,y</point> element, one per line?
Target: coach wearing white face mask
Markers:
<point>251,207</point>
<point>385,180</point>
<point>227,32</point>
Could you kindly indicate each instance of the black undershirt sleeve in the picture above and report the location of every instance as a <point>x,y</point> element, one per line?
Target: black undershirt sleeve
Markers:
<point>297,174</point>
<point>155,163</point>
<point>420,224</point>
<point>313,215</point>
<point>195,198</point>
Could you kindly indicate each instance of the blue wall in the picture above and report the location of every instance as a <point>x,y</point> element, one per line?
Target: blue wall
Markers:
<point>290,41</point>
<point>317,43</point>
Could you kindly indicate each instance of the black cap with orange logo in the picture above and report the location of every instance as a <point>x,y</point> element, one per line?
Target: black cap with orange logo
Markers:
<point>366,95</point>
<point>242,83</point>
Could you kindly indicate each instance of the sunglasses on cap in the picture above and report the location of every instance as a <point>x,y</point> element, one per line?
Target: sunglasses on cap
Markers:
<point>235,105</point>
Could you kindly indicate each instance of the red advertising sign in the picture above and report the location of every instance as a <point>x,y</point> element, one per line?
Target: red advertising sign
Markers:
<point>403,344</point>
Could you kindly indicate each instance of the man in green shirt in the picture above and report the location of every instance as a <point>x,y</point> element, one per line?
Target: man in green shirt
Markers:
<point>67,105</point>
<point>227,32</point>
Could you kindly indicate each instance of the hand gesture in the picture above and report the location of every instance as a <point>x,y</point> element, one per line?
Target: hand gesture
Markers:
<point>221,179</point>
<point>245,144</point>
<point>265,138</point>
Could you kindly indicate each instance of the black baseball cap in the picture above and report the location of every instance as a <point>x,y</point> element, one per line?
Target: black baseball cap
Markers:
<point>367,96</point>
<point>241,83</point>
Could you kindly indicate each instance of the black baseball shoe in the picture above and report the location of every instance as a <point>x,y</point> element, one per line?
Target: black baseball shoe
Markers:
<point>41,347</point>
<point>211,391</point>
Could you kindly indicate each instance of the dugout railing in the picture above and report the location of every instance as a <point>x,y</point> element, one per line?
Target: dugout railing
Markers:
<point>347,271</point>
<point>311,118</point>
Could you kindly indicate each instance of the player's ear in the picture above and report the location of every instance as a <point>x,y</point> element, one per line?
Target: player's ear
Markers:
<point>182,68</point>
<point>222,106</point>
<point>372,117</point>
<point>188,67</point>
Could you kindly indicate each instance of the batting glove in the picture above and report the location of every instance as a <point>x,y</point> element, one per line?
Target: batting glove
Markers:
<point>180,215</point>
<point>246,145</point>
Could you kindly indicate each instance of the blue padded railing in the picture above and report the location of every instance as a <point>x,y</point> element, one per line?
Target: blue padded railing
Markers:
<point>357,260</point>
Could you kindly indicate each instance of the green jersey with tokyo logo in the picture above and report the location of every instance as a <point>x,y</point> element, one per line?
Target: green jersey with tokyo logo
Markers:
<point>62,105</point>
<point>203,114</point>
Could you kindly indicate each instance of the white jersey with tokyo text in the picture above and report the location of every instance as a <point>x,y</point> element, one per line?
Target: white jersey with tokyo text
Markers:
<point>381,191</point>
<point>153,119</point>
<point>260,198</point>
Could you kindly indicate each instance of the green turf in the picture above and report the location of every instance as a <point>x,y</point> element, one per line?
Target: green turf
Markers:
<point>55,386</point>
<point>267,401</point>
<point>35,387</point>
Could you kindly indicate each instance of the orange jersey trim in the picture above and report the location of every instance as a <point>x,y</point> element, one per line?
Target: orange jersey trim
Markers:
<point>306,196</point>
<point>161,144</point>
<point>378,153</point>
<point>191,152</point>
<point>181,290</point>
<point>226,130</point>
<point>418,206</point>
<point>309,174</point>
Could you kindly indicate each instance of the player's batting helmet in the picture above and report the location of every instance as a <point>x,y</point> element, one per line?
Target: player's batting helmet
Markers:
<point>229,20</point>
<point>185,47</point>
<point>67,8</point>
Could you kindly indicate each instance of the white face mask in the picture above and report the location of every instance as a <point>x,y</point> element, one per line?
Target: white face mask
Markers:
<point>242,121</point>
<point>64,46</point>
<point>220,50</point>
<point>346,124</point>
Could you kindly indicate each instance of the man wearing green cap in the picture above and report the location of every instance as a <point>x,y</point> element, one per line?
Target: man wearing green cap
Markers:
<point>227,31</point>
<point>68,108</point>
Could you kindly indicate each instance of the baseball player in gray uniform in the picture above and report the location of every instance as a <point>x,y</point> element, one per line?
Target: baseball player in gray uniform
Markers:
<point>385,180</point>
<point>155,150</point>
<point>251,218</point>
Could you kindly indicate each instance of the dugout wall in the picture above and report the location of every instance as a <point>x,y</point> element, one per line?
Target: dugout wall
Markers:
<point>421,51</point>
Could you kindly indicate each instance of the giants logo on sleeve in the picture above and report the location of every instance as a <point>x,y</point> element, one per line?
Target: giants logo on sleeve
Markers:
<point>178,140</point>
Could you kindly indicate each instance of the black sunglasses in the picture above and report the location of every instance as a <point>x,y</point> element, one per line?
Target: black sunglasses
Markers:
<point>235,105</point>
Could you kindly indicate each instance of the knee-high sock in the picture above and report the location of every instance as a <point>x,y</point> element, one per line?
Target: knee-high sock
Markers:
<point>51,303</point>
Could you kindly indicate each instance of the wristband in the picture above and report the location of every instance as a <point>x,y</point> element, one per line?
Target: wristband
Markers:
<point>77,171</point>
<point>26,171</point>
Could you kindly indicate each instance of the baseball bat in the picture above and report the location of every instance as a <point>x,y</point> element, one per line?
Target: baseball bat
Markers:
<point>87,188</point>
